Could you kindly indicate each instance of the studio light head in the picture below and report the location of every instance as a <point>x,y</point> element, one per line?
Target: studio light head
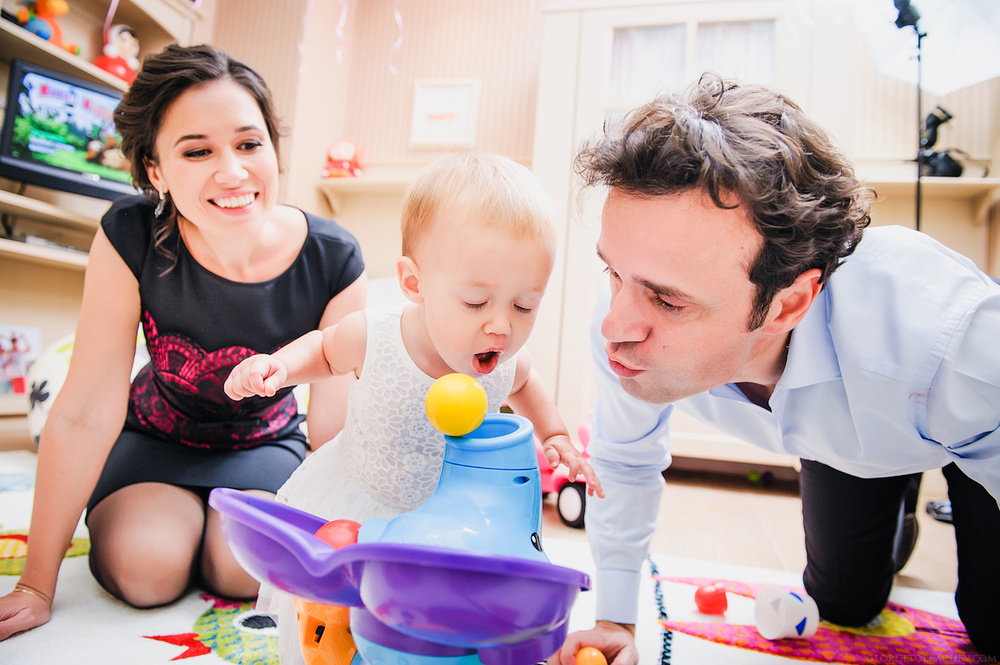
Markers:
<point>908,14</point>
<point>935,119</point>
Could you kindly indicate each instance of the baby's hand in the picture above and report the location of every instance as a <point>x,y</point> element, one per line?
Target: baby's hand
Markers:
<point>560,450</point>
<point>260,375</point>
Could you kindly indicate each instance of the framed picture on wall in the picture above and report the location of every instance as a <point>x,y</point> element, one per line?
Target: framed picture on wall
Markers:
<point>445,112</point>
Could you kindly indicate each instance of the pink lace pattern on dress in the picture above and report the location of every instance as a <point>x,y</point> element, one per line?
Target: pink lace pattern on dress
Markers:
<point>180,394</point>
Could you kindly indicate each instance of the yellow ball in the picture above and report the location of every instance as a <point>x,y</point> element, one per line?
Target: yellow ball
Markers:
<point>456,404</point>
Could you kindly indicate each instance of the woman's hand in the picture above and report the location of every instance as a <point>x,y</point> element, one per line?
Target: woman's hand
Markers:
<point>23,609</point>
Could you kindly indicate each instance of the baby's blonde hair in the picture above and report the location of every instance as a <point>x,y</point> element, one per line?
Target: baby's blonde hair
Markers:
<point>492,190</point>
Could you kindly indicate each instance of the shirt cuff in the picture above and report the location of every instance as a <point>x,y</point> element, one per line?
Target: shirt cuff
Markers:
<point>617,595</point>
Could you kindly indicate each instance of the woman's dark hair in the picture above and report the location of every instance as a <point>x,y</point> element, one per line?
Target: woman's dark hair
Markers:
<point>745,145</point>
<point>163,78</point>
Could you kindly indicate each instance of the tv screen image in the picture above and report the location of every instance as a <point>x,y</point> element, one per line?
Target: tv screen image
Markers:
<point>59,133</point>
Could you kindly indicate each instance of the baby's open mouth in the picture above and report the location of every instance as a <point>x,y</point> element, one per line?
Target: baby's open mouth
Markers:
<point>485,362</point>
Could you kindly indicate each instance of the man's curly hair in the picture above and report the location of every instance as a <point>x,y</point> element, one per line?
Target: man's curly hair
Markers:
<point>746,146</point>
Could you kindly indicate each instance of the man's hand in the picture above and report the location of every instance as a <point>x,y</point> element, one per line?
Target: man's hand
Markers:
<point>615,640</point>
<point>20,611</point>
<point>559,449</point>
<point>260,375</point>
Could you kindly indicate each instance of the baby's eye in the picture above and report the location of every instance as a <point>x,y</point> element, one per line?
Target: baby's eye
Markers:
<point>522,310</point>
<point>474,305</point>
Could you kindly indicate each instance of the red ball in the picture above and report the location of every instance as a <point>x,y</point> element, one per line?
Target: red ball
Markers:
<point>339,533</point>
<point>711,598</point>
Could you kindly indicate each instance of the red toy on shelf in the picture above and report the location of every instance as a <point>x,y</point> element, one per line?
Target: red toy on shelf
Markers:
<point>121,53</point>
<point>344,160</point>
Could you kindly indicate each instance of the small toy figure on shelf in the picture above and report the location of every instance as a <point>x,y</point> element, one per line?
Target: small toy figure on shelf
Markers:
<point>39,18</point>
<point>343,161</point>
<point>121,53</point>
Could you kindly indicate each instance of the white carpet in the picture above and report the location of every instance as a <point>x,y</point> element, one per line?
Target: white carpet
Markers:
<point>89,627</point>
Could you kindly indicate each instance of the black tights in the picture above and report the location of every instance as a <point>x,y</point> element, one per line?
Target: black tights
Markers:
<point>850,524</point>
<point>150,542</point>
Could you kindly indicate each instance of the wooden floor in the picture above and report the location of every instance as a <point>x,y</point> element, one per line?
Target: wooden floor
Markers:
<point>727,519</point>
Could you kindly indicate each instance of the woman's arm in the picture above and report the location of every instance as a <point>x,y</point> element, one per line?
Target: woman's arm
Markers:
<point>83,424</point>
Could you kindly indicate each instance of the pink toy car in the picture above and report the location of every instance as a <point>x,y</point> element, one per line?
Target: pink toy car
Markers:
<point>571,495</point>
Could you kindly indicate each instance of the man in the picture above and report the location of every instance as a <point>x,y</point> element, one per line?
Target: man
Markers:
<point>741,290</point>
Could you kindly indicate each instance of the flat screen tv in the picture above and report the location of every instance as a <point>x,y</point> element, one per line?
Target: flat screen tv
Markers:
<point>59,133</point>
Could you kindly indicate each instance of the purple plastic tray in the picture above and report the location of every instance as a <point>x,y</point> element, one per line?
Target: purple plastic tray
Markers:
<point>459,598</point>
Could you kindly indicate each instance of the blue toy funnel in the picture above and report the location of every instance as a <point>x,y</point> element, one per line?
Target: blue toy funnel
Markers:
<point>487,500</point>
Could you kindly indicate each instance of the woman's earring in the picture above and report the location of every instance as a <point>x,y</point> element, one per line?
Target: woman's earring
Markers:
<point>161,205</point>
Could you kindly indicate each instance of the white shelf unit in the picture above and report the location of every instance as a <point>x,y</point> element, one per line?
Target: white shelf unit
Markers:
<point>43,282</point>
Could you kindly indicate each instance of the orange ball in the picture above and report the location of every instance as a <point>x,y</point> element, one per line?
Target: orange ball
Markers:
<point>590,656</point>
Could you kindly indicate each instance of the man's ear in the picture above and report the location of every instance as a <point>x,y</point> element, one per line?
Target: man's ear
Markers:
<point>792,302</point>
<point>409,278</point>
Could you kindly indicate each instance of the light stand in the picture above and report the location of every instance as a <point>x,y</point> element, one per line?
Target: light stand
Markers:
<point>909,16</point>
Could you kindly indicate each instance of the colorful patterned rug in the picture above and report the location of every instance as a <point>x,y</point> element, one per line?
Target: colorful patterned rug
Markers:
<point>89,627</point>
<point>918,627</point>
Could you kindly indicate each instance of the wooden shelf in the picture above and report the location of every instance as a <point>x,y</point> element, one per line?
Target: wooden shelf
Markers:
<point>984,192</point>
<point>938,187</point>
<point>23,206</point>
<point>156,22</point>
<point>43,254</point>
<point>338,190</point>
<point>16,42</point>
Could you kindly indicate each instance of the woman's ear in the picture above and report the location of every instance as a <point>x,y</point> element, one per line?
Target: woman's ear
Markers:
<point>154,175</point>
<point>792,302</point>
<point>409,278</point>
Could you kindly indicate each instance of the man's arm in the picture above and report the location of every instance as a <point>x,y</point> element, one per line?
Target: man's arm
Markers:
<point>628,451</point>
<point>963,403</point>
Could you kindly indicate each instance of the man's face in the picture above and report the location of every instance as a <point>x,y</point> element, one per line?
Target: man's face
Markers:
<point>680,295</point>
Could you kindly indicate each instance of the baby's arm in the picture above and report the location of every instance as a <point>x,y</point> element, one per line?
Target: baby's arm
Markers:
<point>529,398</point>
<point>317,355</point>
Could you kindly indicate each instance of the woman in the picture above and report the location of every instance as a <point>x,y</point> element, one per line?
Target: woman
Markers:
<point>214,269</point>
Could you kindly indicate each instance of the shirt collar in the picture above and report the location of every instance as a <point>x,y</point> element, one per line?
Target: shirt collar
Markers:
<point>812,357</point>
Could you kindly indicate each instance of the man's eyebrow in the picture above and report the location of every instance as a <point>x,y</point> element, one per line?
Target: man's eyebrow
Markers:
<point>658,289</point>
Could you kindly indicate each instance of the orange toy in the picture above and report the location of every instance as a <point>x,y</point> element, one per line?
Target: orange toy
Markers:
<point>39,18</point>
<point>324,633</point>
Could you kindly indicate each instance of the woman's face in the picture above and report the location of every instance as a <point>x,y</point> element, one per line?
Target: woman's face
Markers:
<point>216,159</point>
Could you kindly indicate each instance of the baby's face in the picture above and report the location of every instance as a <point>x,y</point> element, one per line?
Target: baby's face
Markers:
<point>481,289</point>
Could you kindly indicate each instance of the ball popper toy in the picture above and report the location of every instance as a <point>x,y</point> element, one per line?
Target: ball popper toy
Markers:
<point>460,580</point>
<point>456,404</point>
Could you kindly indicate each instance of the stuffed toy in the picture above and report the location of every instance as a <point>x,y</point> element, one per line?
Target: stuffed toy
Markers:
<point>343,161</point>
<point>39,18</point>
<point>121,53</point>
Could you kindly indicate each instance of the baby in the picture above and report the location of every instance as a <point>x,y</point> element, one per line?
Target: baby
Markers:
<point>478,250</point>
